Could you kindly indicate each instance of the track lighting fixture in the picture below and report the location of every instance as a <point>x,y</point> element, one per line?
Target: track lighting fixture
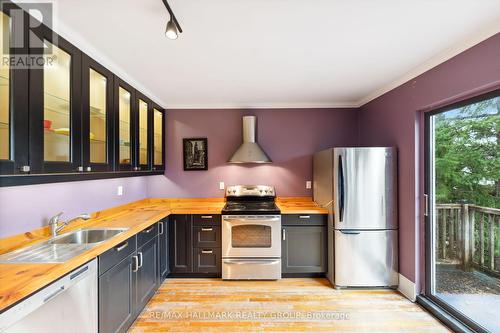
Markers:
<point>173,27</point>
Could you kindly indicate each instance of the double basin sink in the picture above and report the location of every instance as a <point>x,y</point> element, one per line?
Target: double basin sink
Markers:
<point>61,248</point>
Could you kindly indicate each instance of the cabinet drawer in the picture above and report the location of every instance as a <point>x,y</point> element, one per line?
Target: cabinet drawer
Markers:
<point>206,219</point>
<point>147,234</point>
<point>304,219</point>
<point>116,254</point>
<point>207,236</point>
<point>207,260</point>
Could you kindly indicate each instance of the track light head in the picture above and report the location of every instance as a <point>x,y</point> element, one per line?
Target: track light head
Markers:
<point>171,30</point>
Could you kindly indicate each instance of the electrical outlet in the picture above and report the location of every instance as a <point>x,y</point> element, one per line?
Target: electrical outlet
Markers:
<point>119,190</point>
<point>308,184</point>
<point>221,186</point>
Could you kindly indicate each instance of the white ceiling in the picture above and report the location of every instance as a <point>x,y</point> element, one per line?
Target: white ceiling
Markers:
<point>274,53</point>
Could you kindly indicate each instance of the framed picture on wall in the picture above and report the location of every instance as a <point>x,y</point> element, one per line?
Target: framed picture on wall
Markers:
<point>195,154</point>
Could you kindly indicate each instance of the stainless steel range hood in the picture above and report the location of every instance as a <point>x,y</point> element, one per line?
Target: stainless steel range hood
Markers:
<point>249,151</point>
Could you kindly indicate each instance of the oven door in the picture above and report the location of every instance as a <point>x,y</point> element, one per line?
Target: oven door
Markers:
<point>251,236</point>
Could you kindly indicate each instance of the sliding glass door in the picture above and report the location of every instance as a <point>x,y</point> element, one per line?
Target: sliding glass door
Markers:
<point>463,233</point>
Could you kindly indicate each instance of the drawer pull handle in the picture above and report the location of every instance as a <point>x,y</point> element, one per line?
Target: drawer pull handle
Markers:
<point>207,229</point>
<point>206,216</point>
<point>207,251</point>
<point>304,216</point>
<point>121,246</point>
<point>140,259</point>
<point>136,261</point>
<point>283,232</point>
<point>147,231</point>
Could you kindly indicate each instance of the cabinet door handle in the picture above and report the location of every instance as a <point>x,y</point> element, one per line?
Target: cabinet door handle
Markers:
<point>136,261</point>
<point>206,216</point>
<point>207,251</point>
<point>283,233</point>
<point>140,259</point>
<point>121,246</point>
<point>304,216</point>
<point>161,228</point>
<point>147,231</point>
<point>207,229</point>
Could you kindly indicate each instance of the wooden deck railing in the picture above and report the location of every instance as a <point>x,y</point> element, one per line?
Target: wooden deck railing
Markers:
<point>468,235</point>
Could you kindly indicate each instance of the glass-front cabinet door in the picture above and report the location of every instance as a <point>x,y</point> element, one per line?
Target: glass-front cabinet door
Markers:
<point>158,138</point>
<point>55,109</point>
<point>144,133</point>
<point>13,100</point>
<point>125,138</point>
<point>97,116</point>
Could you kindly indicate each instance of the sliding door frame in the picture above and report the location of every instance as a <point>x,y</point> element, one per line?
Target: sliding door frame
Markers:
<point>429,227</point>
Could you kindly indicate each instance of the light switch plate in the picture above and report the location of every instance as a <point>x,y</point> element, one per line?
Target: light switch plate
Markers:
<point>119,190</point>
<point>221,186</point>
<point>308,184</point>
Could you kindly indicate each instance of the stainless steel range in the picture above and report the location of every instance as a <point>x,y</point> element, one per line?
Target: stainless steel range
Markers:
<point>251,228</point>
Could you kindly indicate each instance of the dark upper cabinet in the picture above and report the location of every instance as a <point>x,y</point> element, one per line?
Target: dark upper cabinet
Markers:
<point>181,244</point>
<point>125,124</point>
<point>143,131</point>
<point>55,104</point>
<point>163,268</point>
<point>159,137</point>
<point>304,249</point>
<point>65,117</point>
<point>97,116</point>
<point>14,124</point>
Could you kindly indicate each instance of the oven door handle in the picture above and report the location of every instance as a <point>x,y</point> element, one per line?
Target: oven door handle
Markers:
<point>252,262</point>
<point>252,221</point>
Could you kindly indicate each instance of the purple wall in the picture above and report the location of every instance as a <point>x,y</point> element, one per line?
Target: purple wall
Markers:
<point>23,208</point>
<point>289,136</point>
<point>394,119</point>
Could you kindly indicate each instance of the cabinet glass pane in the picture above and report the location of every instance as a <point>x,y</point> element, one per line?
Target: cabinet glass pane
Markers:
<point>158,137</point>
<point>4,92</point>
<point>124,116</point>
<point>56,105</point>
<point>97,103</point>
<point>143,132</point>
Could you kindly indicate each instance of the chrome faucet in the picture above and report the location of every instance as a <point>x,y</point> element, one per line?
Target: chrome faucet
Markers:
<point>56,225</point>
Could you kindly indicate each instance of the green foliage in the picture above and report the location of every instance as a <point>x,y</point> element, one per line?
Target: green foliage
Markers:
<point>467,154</point>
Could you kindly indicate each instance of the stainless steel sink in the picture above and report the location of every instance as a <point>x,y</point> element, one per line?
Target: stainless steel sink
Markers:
<point>86,236</point>
<point>61,248</point>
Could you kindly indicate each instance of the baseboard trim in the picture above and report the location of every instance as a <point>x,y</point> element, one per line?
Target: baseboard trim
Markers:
<point>407,288</point>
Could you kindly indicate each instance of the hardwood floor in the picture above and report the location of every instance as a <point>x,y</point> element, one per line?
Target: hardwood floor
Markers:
<point>287,305</point>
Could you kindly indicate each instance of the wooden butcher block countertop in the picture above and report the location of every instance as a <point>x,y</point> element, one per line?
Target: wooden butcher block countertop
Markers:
<point>18,281</point>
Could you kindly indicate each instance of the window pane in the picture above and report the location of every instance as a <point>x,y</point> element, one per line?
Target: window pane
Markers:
<point>143,132</point>
<point>4,93</point>
<point>466,210</point>
<point>98,111</point>
<point>158,137</point>
<point>124,116</point>
<point>56,87</point>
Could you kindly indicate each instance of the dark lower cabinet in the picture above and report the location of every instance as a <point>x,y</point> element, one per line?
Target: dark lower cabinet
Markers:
<point>117,297</point>
<point>304,249</point>
<point>207,260</point>
<point>147,273</point>
<point>128,278</point>
<point>195,245</point>
<point>181,244</point>
<point>163,268</point>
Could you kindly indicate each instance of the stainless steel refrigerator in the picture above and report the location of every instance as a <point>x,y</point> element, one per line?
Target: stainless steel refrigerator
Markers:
<point>359,187</point>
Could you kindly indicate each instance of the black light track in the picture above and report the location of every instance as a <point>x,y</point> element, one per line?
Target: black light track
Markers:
<point>172,16</point>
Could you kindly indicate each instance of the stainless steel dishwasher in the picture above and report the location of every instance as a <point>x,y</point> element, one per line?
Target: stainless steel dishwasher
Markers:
<point>67,305</point>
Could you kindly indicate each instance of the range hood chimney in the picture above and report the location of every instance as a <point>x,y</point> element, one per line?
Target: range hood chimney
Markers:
<point>249,151</point>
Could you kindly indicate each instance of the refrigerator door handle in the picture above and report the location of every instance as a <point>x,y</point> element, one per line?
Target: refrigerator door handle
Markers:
<point>341,189</point>
<point>350,232</point>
